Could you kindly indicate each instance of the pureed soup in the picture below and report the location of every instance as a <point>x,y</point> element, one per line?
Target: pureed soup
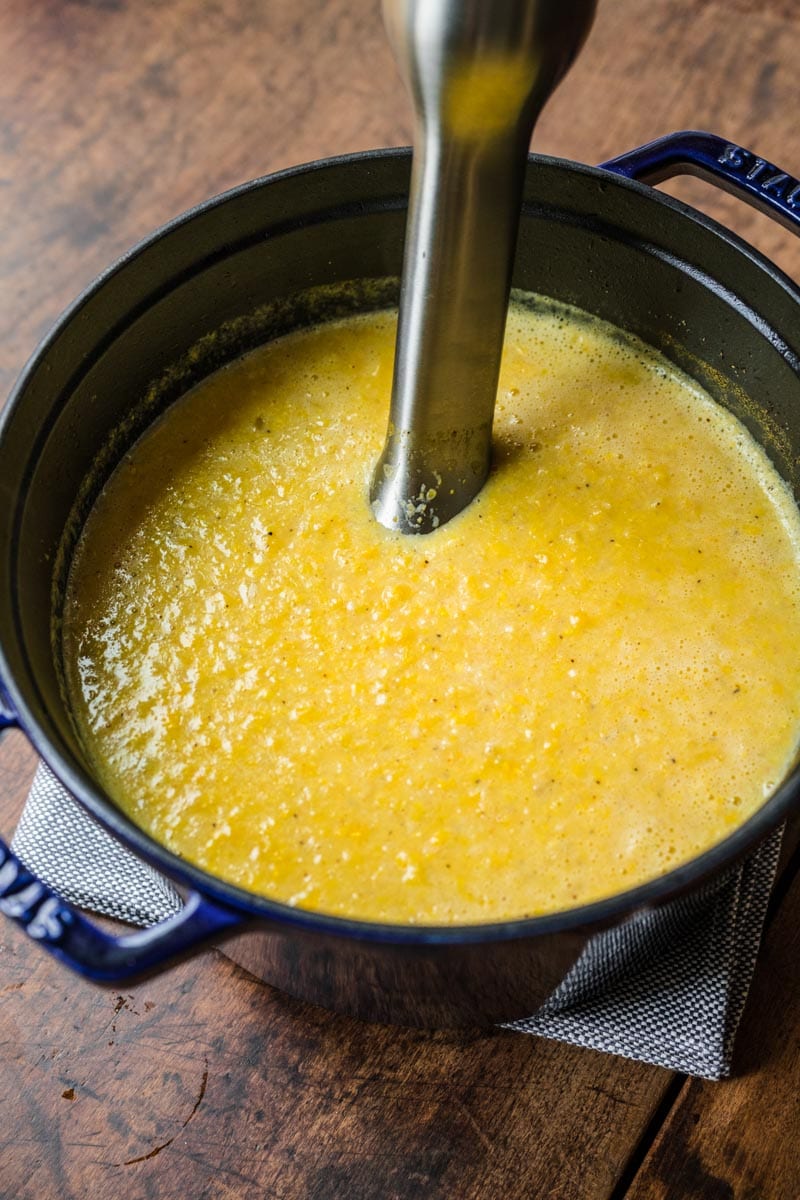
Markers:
<point>587,677</point>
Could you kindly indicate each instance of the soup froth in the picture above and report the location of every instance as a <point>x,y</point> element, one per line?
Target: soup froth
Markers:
<point>587,677</point>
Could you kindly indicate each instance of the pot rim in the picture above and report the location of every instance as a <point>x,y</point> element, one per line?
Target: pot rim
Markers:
<point>596,914</point>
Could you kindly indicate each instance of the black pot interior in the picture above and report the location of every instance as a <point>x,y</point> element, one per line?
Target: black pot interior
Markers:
<point>240,271</point>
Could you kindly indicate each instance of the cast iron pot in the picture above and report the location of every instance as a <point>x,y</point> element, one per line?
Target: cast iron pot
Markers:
<point>596,237</point>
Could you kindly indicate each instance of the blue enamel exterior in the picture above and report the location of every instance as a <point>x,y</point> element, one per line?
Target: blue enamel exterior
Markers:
<point>89,951</point>
<point>79,944</point>
<point>8,718</point>
<point>725,164</point>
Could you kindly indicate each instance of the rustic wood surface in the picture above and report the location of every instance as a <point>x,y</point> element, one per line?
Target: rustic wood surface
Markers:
<point>114,116</point>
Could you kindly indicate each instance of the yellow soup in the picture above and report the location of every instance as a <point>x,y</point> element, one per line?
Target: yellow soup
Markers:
<point>586,678</point>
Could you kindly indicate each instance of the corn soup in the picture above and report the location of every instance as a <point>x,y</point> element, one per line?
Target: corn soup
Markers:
<point>589,676</point>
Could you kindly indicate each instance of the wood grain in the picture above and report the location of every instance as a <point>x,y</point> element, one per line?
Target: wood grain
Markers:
<point>114,116</point>
<point>205,1082</point>
<point>741,1140</point>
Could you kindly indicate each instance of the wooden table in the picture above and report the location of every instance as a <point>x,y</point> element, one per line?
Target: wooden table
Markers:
<point>114,116</point>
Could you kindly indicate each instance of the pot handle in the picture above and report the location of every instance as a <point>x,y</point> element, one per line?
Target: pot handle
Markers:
<point>84,947</point>
<point>741,172</point>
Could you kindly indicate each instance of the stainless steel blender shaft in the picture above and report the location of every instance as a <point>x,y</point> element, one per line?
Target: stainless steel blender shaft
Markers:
<point>479,72</point>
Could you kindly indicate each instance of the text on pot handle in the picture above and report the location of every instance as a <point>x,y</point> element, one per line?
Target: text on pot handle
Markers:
<point>767,177</point>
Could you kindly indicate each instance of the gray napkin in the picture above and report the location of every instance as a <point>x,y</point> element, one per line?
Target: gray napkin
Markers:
<point>666,987</point>
<point>58,840</point>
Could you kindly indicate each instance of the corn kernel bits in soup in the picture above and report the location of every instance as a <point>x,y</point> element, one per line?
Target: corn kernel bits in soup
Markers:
<point>587,677</point>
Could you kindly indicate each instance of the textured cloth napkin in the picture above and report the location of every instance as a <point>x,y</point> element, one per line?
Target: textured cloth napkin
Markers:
<point>666,987</point>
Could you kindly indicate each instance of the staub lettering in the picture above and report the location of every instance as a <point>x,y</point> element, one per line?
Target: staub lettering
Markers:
<point>772,182</point>
<point>733,156</point>
<point>27,901</point>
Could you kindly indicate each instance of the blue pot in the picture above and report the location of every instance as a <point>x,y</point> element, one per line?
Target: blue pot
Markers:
<point>599,238</point>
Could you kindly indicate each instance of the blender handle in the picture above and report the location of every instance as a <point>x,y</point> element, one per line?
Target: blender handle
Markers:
<point>727,165</point>
<point>73,939</point>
